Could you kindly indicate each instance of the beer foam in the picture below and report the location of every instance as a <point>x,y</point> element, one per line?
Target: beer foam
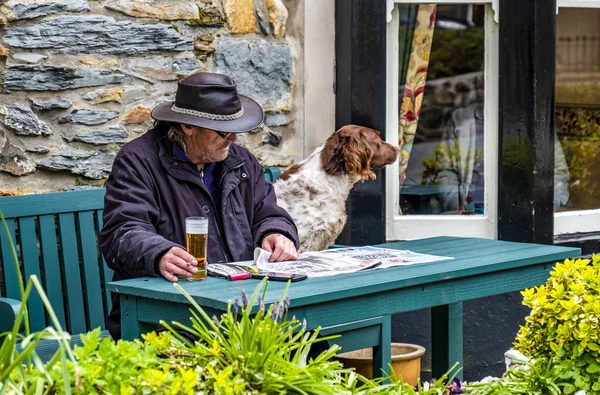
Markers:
<point>196,226</point>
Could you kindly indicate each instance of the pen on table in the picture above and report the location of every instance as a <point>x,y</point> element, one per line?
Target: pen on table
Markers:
<point>238,276</point>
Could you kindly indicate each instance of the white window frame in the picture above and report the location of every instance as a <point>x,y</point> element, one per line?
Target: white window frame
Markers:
<point>580,221</point>
<point>495,5</point>
<point>399,227</point>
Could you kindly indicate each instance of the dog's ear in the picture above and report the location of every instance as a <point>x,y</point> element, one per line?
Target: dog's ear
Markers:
<point>348,151</point>
<point>358,154</point>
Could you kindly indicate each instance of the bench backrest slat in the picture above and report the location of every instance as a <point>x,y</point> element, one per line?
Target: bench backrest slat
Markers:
<point>107,272</point>
<point>11,279</point>
<point>52,203</point>
<point>68,241</point>
<point>52,271</point>
<point>31,266</point>
<point>91,269</point>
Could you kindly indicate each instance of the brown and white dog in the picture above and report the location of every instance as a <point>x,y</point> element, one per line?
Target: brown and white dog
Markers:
<point>314,191</point>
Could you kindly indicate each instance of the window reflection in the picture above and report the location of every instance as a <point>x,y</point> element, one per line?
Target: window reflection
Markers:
<point>577,113</point>
<point>441,114</point>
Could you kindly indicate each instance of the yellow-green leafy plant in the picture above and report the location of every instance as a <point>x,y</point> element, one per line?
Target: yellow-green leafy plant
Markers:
<point>535,377</point>
<point>563,327</point>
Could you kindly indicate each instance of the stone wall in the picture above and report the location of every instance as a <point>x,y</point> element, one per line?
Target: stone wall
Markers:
<point>79,78</point>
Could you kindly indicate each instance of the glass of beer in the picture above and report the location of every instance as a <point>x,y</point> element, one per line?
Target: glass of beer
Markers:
<point>196,237</point>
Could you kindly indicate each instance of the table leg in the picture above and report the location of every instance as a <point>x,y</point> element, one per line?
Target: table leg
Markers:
<point>382,354</point>
<point>447,338</point>
<point>130,326</point>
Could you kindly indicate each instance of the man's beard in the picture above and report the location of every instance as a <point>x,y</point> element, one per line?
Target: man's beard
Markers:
<point>221,156</point>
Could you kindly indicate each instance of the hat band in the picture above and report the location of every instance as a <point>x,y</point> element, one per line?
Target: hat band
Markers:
<point>207,115</point>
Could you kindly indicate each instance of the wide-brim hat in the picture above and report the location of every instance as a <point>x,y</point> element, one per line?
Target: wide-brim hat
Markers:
<point>211,101</point>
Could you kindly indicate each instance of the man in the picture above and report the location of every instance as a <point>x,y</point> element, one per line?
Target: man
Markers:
<point>462,167</point>
<point>188,165</point>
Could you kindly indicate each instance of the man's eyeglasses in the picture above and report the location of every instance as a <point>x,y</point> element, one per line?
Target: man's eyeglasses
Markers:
<point>223,135</point>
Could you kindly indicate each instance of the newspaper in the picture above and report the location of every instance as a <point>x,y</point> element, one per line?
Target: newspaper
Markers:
<point>342,260</point>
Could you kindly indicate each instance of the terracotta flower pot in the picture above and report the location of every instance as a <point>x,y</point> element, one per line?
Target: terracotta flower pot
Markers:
<point>406,361</point>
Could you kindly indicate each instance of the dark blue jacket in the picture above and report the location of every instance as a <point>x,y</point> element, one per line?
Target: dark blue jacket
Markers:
<point>149,193</point>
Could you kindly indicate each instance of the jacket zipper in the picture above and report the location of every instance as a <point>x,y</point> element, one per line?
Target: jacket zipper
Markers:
<point>222,196</point>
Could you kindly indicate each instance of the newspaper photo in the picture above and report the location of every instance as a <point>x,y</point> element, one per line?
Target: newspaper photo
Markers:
<point>342,260</point>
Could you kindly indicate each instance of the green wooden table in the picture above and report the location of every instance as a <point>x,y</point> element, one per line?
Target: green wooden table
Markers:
<point>359,306</point>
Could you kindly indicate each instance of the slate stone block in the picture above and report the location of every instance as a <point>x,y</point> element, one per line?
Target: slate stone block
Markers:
<point>14,161</point>
<point>54,104</point>
<point>94,164</point>
<point>23,121</point>
<point>97,34</point>
<point>111,135</point>
<point>26,9</point>
<point>24,77</point>
<point>261,70</point>
<point>89,117</point>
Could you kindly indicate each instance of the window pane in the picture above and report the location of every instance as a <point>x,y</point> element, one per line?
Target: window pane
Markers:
<point>441,115</point>
<point>577,114</point>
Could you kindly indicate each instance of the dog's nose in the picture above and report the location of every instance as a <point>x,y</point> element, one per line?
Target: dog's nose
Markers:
<point>393,156</point>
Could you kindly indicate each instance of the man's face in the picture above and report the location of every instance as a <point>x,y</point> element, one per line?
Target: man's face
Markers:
<point>205,145</point>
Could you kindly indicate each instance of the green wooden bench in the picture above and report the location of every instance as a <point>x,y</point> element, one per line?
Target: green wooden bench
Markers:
<point>56,236</point>
<point>56,239</point>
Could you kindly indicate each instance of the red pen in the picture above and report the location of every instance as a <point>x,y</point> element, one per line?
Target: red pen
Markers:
<point>238,276</point>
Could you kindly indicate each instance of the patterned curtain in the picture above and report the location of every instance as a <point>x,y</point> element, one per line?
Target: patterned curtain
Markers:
<point>413,70</point>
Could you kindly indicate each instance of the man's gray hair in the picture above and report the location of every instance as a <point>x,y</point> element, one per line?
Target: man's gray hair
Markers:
<point>175,134</point>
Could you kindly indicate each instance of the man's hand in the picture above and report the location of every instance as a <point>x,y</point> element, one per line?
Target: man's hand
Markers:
<point>177,261</point>
<point>280,247</point>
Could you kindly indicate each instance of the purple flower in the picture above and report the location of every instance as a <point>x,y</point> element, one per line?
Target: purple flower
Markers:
<point>286,302</point>
<point>244,298</point>
<point>261,303</point>
<point>274,311</point>
<point>454,387</point>
<point>236,306</point>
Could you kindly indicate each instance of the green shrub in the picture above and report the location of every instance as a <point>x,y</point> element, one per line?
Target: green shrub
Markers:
<point>539,377</point>
<point>563,327</point>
